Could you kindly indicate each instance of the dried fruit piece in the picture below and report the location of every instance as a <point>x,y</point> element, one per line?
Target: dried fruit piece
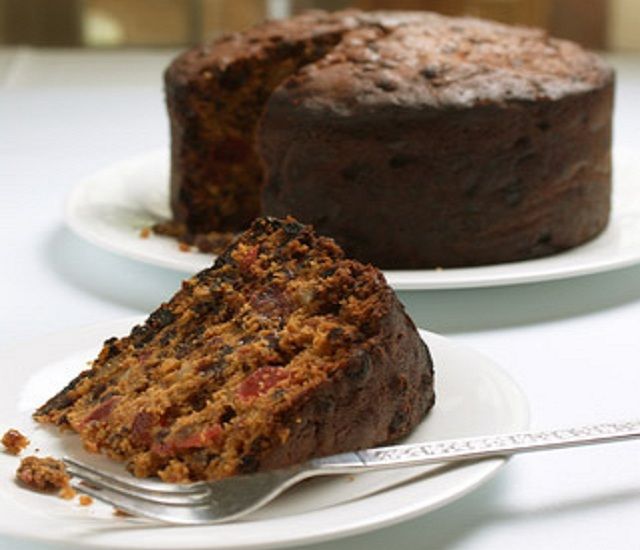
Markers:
<point>261,381</point>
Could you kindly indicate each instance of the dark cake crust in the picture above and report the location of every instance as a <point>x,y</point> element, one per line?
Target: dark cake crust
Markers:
<point>282,351</point>
<point>342,415</point>
<point>480,143</point>
<point>491,185</point>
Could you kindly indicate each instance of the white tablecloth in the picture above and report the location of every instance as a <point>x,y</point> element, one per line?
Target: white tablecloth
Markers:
<point>573,345</point>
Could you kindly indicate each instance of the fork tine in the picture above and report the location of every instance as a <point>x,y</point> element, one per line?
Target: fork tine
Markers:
<point>168,499</point>
<point>184,515</point>
<point>137,483</point>
<point>171,494</point>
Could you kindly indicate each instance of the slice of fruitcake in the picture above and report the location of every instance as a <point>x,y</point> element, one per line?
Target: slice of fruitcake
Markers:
<point>282,351</point>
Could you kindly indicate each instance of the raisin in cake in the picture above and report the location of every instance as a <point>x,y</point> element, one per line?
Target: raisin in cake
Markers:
<point>282,351</point>
<point>413,139</point>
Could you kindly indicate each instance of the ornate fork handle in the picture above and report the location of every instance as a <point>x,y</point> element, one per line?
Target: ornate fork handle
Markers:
<point>477,447</point>
<point>234,497</point>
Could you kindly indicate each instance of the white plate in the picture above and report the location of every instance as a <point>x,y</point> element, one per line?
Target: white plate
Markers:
<point>109,209</point>
<point>474,397</point>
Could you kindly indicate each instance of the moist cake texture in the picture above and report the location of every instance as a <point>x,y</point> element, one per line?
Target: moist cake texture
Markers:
<point>413,139</point>
<point>282,351</point>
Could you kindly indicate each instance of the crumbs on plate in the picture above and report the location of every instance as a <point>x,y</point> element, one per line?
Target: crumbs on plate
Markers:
<point>85,500</point>
<point>14,442</point>
<point>46,475</point>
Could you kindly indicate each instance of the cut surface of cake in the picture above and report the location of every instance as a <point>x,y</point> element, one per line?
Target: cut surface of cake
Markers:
<point>282,351</point>
<point>215,94</point>
<point>415,140</point>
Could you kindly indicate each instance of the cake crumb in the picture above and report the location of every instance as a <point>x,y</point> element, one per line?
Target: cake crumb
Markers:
<point>43,474</point>
<point>184,247</point>
<point>67,493</point>
<point>14,442</point>
<point>85,500</point>
<point>121,513</point>
<point>213,242</point>
<point>145,232</point>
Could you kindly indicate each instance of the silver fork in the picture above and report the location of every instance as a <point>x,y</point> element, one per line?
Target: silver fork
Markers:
<point>234,497</point>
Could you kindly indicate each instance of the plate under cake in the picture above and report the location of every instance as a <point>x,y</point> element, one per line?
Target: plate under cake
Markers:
<point>281,351</point>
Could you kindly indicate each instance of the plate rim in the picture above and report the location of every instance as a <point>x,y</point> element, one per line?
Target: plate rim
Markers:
<point>464,277</point>
<point>409,509</point>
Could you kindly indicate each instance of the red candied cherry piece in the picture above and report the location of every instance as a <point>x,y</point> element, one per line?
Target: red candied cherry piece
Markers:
<point>249,257</point>
<point>197,440</point>
<point>141,427</point>
<point>202,438</point>
<point>260,381</point>
<point>102,411</point>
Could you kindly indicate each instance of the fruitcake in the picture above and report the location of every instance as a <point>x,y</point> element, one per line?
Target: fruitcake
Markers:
<point>413,139</point>
<point>283,350</point>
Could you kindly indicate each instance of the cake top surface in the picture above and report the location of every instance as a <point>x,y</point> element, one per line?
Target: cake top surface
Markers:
<point>428,60</point>
<point>408,59</point>
<point>219,53</point>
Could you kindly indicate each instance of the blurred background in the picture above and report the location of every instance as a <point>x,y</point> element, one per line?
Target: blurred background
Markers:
<point>611,25</point>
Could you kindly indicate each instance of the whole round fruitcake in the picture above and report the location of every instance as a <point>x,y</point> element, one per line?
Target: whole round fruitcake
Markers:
<point>413,139</point>
<point>282,351</point>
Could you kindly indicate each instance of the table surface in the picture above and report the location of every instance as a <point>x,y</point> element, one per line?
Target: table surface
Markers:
<point>572,345</point>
